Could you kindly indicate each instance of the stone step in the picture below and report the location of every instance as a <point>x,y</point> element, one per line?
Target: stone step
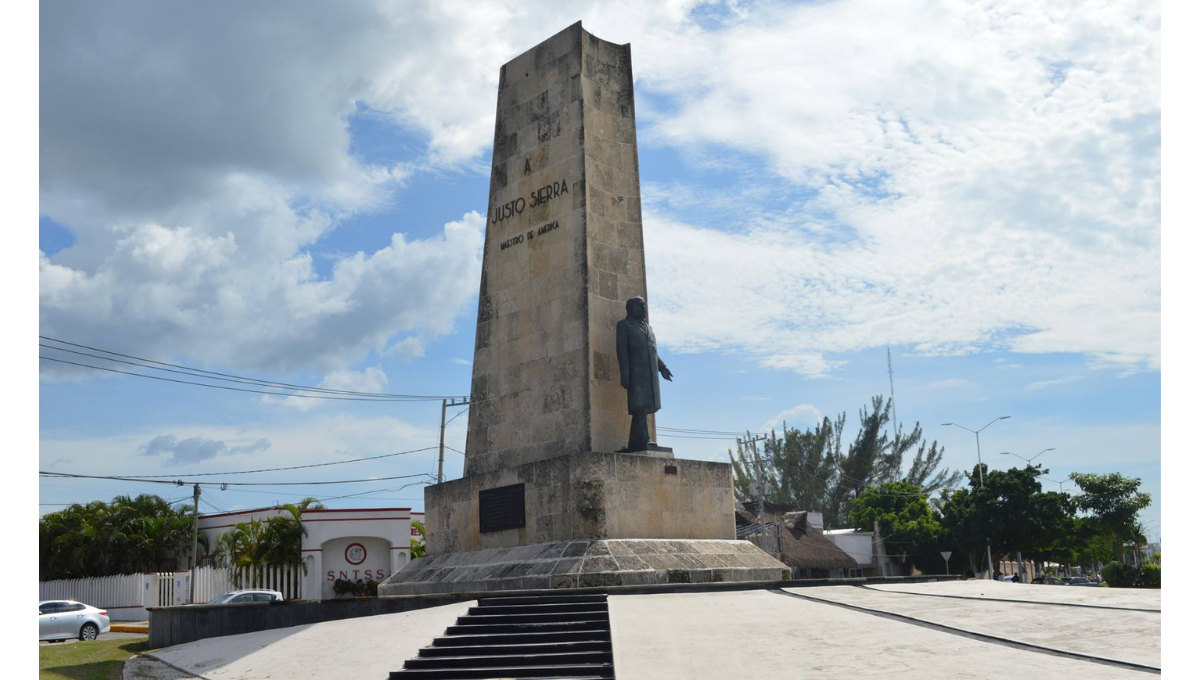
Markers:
<point>509,660</point>
<point>553,617</point>
<point>541,608</point>
<point>594,635</point>
<point>596,671</point>
<point>540,599</point>
<point>518,648</point>
<point>547,627</point>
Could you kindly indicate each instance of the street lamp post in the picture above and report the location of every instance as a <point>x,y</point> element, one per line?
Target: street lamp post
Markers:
<point>1059,482</point>
<point>1027,460</point>
<point>979,458</point>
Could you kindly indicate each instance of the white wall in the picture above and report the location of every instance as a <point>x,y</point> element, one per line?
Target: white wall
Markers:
<point>855,545</point>
<point>383,534</point>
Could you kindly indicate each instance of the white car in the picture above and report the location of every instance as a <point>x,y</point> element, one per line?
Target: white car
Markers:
<point>242,596</point>
<point>66,619</point>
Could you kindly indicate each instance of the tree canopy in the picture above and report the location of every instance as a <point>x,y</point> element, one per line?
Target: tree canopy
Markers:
<point>908,526</point>
<point>1111,503</point>
<point>272,542</point>
<point>125,536</point>
<point>810,470</point>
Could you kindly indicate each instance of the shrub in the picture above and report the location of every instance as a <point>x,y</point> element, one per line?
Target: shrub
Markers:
<point>343,587</point>
<point>1151,576</point>
<point>1118,575</point>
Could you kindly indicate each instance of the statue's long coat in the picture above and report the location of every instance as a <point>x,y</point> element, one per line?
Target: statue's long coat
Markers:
<point>637,354</point>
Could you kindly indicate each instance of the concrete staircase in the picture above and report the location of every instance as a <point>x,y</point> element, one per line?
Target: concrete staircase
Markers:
<point>544,636</point>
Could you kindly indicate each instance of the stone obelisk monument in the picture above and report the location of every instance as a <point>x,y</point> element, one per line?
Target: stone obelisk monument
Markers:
<point>545,500</point>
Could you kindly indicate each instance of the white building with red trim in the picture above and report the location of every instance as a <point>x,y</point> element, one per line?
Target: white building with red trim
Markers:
<point>343,543</point>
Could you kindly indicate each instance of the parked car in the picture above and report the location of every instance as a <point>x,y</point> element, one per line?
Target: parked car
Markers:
<point>66,619</point>
<point>1049,581</point>
<point>1081,581</point>
<point>241,596</point>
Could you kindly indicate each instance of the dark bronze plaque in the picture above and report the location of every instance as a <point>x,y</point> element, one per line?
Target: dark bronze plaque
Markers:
<point>502,508</point>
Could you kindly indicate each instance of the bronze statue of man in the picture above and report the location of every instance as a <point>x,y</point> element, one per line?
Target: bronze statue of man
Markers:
<point>637,354</point>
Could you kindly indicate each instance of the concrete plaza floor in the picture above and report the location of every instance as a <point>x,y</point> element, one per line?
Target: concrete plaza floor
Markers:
<point>973,629</point>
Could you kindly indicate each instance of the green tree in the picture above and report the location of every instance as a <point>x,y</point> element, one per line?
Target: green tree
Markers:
<point>810,470</point>
<point>417,547</point>
<point>1011,511</point>
<point>1111,502</point>
<point>127,535</point>
<point>906,522</point>
<point>271,542</point>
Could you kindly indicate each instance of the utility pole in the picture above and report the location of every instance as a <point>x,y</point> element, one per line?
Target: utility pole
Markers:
<point>442,435</point>
<point>195,540</point>
<point>753,442</point>
<point>442,443</point>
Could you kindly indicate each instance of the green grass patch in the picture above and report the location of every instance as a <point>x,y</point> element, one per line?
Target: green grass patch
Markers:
<point>96,660</point>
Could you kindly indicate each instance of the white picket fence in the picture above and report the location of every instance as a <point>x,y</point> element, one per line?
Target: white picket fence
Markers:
<point>212,581</point>
<point>123,596</point>
<point>127,596</point>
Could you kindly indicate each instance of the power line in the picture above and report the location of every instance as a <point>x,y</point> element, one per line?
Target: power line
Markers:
<point>368,493</point>
<point>216,387</point>
<point>180,482</point>
<point>216,375</point>
<point>685,430</point>
<point>279,469</point>
<point>689,436</point>
<point>458,414</point>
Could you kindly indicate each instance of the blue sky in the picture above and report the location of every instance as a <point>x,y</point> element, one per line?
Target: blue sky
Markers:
<point>976,188</point>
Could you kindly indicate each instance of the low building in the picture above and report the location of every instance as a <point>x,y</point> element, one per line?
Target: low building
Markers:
<point>794,538</point>
<point>860,545</point>
<point>345,543</point>
<point>808,552</point>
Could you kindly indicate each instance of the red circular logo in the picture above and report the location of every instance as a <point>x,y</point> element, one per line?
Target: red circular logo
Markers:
<point>356,553</point>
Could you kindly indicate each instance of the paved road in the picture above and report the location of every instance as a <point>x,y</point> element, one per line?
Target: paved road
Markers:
<point>767,634</point>
<point>810,633</point>
<point>1122,634</point>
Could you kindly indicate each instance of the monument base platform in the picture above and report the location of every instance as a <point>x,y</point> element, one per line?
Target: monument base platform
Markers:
<point>589,495</point>
<point>586,563</point>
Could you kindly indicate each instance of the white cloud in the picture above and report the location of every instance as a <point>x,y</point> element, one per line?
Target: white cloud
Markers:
<point>805,413</point>
<point>980,176</point>
<point>197,449</point>
<point>371,379</point>
<point>303,440</point>
<point>1053,382</point>
<point>952,176</point>
<point>246,309</point>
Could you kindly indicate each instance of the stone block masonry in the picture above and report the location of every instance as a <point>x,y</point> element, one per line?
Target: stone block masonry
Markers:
<point>588,495</point>
<point>563,252</point>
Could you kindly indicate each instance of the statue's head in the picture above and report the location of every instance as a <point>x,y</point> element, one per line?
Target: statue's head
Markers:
<point>636,307</point>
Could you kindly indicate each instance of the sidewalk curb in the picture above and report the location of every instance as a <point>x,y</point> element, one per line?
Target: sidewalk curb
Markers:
<point>143,628</point>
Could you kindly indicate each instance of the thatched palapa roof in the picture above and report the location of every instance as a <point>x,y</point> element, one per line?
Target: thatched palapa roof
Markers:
<point>807,548</point>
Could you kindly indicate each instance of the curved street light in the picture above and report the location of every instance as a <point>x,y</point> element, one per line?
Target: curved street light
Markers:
<point>1027,460</point>
<point>979,458</point>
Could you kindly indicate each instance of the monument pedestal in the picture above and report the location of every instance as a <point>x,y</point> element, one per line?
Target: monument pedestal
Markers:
<point>579,496</point>
<point>586,564</point>
<point>584,519</point>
